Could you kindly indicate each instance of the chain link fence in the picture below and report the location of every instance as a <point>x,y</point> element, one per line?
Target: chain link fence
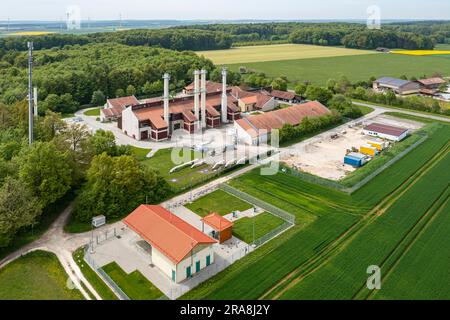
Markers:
<point>337,186</point>
<point>103,275</point>
<point>259,203</point>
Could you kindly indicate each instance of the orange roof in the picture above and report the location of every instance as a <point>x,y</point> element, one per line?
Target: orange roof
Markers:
<point>217,222</point>
<point>123,102</point>
<point>432,81</point>
<point>277,119</point>
<point>210,86</point>
<point>171,235</point>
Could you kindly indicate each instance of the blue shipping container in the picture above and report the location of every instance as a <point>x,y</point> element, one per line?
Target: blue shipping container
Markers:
<point>353,161</point>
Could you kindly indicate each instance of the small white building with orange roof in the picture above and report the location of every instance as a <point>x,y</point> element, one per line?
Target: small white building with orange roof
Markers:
<point>178,249</point>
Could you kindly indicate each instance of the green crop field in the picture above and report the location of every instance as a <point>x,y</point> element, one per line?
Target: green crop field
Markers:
<point>135,285</point>
<point>327,220</point>
<point>36,276</point>
<point>355,67</point>
<point>219,202</point>
<point>262,224</point>
<point>277,53</point>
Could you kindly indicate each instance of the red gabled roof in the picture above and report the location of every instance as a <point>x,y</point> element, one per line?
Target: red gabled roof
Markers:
<point>210,86</point>
<point>123,102</point>
<point>171,235</point>
<point>386,129</point>
<point>217,222</point>
<point>432,81</point>
<point>277,119</point>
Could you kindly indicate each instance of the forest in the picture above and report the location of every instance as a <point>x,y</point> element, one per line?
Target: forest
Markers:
<point>68,77</point>
<point>411,35</point>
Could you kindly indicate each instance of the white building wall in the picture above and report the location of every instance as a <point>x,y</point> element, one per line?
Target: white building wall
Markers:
<point>242,135</point>
<point>200,253</point>
<point>130,124</point>
<point>270,105</point>
<point>162,262</point>
<point>386,136</point>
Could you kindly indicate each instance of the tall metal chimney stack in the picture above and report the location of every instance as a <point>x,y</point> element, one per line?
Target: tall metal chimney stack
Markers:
<point>203,97</point>
<point>166,78</point>
<point>197,94</point>
<point>30,92</point>
<point>224,96</point>
<point>35,105</point>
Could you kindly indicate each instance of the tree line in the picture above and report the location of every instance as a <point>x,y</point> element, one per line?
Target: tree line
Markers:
<point>173,39</point>
<point>78,75</point>
<point>62,159</point>
<point>412,35</point>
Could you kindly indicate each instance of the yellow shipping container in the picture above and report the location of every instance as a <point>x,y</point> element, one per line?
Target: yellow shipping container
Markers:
<point>368,150</point>
<point>378,145</point>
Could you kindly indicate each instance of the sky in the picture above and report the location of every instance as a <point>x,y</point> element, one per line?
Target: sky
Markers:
<point>223,10</point>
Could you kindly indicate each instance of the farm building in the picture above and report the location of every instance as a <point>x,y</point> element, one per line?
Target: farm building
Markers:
<point>177,248</point>
<point>114,107</point>
<point>356,159</point>
<point>399,86</point>
<point>156,119</point>
<point>386,132</point>
<point>282,96</point>
<point>256,129</point>
<point>431,86</point>
<point>210,86</point>
<point>253,101</point>
<point>222,228</point>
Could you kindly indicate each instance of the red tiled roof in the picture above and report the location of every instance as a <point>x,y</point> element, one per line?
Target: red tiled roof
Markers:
<point>123,102</point>
<point>386,129</point>
<point>285,95</point>
<point>210,86</point>
<point>432,81</point>
<point>277,119</point>
<point>217,222</point>
<point>171,235</point>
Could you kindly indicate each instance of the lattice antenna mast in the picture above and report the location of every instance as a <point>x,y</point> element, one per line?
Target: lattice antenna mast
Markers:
<point>30,92</point>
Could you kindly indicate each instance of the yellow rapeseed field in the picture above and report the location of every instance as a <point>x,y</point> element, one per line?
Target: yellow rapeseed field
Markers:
<point>30,33</point>
<point>421,52</point>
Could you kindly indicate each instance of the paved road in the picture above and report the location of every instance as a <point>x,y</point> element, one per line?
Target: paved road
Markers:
<point>413,113</point>
<point>62,244</point>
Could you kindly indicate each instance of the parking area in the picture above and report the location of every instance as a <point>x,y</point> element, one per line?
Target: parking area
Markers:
<point>324,157</point>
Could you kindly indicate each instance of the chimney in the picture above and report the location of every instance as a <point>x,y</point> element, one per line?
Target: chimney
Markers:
<point>197,93</point>
<point>224,96</point>
<point>203,97</point>
<point>166,78</point>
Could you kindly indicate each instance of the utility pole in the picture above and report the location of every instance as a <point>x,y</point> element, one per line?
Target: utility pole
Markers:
<point>30,93</point>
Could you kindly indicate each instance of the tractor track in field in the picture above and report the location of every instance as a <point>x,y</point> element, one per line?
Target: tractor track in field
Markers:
<point>347,236</point>
<point>418,229</point>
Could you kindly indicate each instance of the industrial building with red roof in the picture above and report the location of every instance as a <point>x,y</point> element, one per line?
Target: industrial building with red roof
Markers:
<point>255,129</point>
<point>178,249</point>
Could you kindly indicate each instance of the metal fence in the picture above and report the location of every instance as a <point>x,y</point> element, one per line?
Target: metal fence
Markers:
<point>337,186</point>
<point>103,275</point>
<point>259,203</point>
<point>272,234</point>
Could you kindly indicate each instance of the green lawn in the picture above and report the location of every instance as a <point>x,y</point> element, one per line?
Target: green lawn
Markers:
<point>140,153</point>
<point>36,276</point>
<point>277,52</point>
<point>162,162</point>
<point>356,67</point>
<point>263,224</point>
<point>99,285</point>
<point>92,112</point>
<point>135,285</point>
<point>405,109</point>
<point>219,202</point>
<point>416,118</point>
